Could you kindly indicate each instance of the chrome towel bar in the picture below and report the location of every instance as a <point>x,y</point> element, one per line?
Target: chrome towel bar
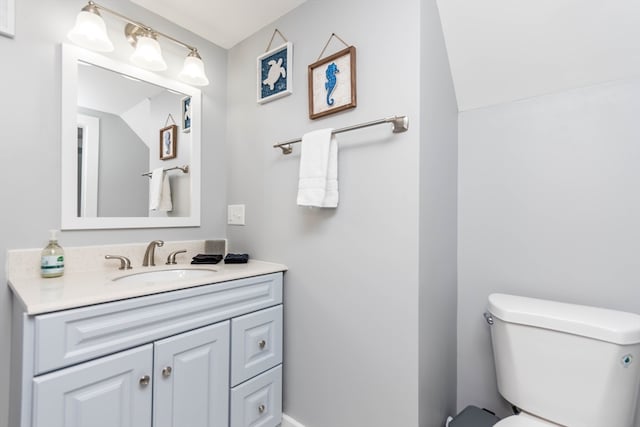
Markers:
<point>400,124</point>
<point>184,169</point>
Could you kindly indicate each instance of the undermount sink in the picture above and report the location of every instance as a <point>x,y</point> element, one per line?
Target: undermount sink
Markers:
<point>170,275</point>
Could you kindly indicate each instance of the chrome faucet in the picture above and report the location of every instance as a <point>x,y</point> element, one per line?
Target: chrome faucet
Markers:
<point>125,263</point>
<point>149,254</point>
<point>171,259</point>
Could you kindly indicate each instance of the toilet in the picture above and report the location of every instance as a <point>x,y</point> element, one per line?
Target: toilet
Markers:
<point>564,364</point>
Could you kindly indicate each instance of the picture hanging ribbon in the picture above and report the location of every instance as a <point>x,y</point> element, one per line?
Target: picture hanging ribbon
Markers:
<point>329,41</point>
<point>273,36</point>
<point>169,117</point>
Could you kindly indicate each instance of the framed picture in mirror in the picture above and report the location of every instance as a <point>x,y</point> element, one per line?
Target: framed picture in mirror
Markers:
<point>185,106</point>
<point>168,142</point>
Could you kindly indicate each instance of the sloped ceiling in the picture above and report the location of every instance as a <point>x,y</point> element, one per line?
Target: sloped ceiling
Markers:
<point>223,22</point>
<point>504,50</point>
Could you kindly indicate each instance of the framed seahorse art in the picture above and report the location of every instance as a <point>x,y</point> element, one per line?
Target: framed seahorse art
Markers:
<point>332,83</point>
<point>274,73</point>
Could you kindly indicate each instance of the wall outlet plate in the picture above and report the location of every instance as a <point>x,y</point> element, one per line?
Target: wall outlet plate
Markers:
<point>235,214</point>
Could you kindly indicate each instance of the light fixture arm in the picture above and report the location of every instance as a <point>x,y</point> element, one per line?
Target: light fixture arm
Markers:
<point>93,6</point>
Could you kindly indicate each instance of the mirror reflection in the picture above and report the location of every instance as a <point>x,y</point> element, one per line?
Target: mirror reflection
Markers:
<point>125,116</point>
<point>130,146</point>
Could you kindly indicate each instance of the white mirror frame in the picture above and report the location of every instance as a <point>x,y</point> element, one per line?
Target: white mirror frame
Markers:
<point>69,131</point>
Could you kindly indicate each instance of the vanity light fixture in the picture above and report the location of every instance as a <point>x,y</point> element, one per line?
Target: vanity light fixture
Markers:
<point>193,70</point>
<point>90,32</point>
<point>148,53</point>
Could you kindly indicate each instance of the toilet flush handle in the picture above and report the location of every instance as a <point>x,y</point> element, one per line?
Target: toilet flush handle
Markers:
<point>488,318</point>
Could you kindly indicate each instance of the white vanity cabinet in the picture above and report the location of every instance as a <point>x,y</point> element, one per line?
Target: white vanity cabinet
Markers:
<point>208,356</point>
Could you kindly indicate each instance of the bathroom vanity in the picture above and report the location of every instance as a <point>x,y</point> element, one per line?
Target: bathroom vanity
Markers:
<point>93,351</point>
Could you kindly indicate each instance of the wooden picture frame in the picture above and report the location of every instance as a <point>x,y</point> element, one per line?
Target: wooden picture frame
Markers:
<point>185,107</point>
<point>274,72</point>
<point>7,18</point>
<point>168,142</point>
<point>332,83</point>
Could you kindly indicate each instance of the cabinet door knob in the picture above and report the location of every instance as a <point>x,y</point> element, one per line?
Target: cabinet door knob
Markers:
<point>144,380</point>
<point>261,408</point>
<point>262,344</point>
<point>166,371</point>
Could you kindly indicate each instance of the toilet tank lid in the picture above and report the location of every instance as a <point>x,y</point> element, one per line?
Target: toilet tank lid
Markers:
<point>599,323</point>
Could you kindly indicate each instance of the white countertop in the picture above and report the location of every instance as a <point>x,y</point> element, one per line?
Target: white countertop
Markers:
<point>78,289</point>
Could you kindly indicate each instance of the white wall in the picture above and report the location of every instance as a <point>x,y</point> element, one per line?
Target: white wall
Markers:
<point>549,203</point>
<point>353,293</point>
<point>30,116</point>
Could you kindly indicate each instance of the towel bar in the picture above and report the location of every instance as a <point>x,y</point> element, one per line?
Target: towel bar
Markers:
<point>400,124</point>
<point>184,169</point>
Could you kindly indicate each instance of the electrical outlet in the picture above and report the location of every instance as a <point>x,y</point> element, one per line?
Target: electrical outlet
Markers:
<point>235,214</point>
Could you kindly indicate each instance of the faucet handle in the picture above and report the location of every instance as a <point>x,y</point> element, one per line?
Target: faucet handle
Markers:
<point>171,259</point>
<point>125,263</point>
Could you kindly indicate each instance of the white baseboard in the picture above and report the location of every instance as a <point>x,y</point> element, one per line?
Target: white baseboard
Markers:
<point>287,421</point>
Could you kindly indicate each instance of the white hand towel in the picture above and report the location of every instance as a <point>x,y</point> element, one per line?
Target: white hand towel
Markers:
<point>318,182</point>
<point>165,197</point>
<point>159,191</point>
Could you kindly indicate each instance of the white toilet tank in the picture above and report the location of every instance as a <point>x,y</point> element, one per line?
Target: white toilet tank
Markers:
<point>573,365</point>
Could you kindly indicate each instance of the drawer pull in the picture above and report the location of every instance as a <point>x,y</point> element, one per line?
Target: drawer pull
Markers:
<point>144,381</point>
<point>262,344</point>
<point>261,408</point>
<point>166,371</point>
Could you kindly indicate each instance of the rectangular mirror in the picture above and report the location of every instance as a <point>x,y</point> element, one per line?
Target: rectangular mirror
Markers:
<point>117,127</point>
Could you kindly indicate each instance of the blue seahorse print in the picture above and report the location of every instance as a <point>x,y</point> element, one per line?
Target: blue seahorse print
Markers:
<point>330,85</point>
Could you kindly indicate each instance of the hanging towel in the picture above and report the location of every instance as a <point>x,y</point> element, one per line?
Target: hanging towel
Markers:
<point>318,182</point>
<point>160,191</point>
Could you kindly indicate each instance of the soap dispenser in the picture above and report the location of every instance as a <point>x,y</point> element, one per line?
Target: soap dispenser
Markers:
<point>52,259</point>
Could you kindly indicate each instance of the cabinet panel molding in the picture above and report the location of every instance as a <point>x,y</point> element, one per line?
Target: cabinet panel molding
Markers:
<point>258,402</point>
<point>102,393</point>
<point>192,380</point>
<point>256,343</point>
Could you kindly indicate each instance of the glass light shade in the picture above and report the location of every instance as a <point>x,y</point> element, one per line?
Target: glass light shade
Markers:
<point>193,71</point>
<point>90,32</point>
<point>148,54</point>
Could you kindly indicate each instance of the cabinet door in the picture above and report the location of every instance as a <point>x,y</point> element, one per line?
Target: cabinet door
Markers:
<point>113,391</point>
<point>192,378</point>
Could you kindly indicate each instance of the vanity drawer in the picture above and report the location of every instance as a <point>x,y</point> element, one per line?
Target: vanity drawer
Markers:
<point>68,337</point>
<point>258,402</point>
<point>256,343</point>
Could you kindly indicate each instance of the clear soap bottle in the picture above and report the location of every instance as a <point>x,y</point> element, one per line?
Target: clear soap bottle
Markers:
<point>52,259</point>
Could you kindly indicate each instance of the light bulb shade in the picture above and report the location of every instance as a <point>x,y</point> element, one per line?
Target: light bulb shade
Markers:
<point>148,54</point>
<point>193,71</point>
<point>90,32</point>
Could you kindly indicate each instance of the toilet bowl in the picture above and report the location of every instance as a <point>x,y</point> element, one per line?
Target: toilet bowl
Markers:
<point>565,364</point>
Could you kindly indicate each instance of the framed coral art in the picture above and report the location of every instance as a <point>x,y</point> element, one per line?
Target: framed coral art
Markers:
<point>274,73</point>
<point>332,83</point>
